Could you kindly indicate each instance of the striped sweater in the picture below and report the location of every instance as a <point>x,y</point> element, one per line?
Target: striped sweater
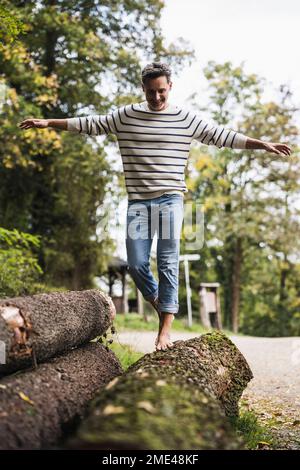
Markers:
<point>155,145</point>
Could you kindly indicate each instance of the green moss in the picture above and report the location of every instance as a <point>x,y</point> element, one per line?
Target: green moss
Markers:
<point>166,416</point>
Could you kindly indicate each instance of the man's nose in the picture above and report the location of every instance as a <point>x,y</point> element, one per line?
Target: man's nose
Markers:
<point>157,96</point>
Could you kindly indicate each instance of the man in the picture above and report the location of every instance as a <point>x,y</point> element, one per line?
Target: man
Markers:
<point>154,137</point>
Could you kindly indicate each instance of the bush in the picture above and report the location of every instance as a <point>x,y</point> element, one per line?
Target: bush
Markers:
<point>19,268</point>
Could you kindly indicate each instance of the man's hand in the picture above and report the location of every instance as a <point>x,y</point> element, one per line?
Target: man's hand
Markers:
<point>61,124</point>
<point>39,123</point>
<point>280,149</point>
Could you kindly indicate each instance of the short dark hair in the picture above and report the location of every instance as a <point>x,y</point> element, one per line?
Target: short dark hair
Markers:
<point>154,70</point>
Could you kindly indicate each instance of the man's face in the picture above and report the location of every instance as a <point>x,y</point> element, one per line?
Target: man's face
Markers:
<point>157,92</point>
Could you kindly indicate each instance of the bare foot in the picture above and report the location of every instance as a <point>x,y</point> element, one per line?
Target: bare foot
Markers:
<point>163,342</point>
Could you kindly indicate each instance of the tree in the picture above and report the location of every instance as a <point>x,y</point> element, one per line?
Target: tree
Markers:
<point>242,191</point>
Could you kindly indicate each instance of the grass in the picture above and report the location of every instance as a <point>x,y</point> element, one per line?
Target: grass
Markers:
<point>254,434</point>
<point>135,321</point>
<point>126,354</point>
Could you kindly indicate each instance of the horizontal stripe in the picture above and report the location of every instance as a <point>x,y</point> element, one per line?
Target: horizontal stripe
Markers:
<point>155,156</point>
<point>151,186</point>
<point>152,148</point>
<point>157,113</point>
<point>160,179</point>
<point>155,141</point>
<point>153,171</point>
<point>154,120</point>
<point>152,164</point>
<point>141,192</point>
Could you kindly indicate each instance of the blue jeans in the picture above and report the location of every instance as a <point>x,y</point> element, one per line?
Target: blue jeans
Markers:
<point>162,215</point>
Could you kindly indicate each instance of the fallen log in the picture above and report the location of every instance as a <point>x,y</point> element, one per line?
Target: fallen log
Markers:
<point>177,399</point>
<point>38,407</point>
<point>35,328</point>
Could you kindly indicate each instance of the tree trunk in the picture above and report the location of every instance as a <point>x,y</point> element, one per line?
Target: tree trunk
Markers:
<point>236,285</point>
<point>176,399</point>
<point>284,271</point>
<point>37,327</point>
<point>38,407</point>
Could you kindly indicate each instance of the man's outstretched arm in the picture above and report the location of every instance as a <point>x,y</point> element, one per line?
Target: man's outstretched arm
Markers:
<point>44,123</point>
<point>91,125</point>
<point>210,134</point>
<point>271,147</point>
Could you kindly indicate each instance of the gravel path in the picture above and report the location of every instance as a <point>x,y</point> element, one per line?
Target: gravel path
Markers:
<point>274,392</point>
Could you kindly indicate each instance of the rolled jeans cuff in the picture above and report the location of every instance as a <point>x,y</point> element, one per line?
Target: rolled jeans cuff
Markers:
<point>168,308</point>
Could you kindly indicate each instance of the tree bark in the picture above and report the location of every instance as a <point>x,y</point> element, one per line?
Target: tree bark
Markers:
<point>236,284</point>
<point>38,327</point>
<point>176,399</point>
<point>38,407</point>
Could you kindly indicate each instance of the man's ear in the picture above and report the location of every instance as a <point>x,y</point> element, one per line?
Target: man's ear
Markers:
<point>170,85</point>
<point>143,86</point>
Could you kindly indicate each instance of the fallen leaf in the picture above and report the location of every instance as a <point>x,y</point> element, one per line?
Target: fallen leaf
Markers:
<point>161,383</point>
<point>262,444</point>
<point>113,410</point>
<point>146,405</point>
<point>111,383</point>
<point>143,375</point>
<point>25,398</point>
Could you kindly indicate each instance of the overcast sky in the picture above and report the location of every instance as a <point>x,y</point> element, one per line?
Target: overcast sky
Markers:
<point>265,34</point>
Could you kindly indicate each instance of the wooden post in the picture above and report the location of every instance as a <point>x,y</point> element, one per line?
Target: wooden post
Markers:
<point>219,317</point>
<point>186,259</point>
<point>203,312</point>
<point>210,304</point>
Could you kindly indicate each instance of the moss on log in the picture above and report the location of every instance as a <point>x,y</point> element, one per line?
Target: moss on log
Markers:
<point>35,328</point>
<point>177,399</point>
<point>38,407</point>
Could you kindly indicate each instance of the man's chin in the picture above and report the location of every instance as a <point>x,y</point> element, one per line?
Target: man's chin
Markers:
<point>157,106</point>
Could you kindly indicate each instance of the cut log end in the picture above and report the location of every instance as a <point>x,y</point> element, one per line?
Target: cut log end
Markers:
<point>35,328</point>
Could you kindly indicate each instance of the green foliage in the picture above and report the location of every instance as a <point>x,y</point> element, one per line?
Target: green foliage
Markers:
<point>19,268</point>
<point>10,24</point>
